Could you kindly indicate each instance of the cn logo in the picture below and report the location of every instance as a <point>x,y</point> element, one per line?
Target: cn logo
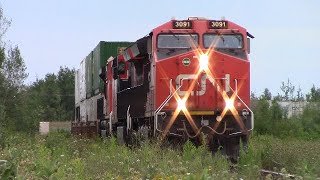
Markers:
<point>185,77</point>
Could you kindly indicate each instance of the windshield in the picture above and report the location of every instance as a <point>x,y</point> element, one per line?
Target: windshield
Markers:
<point>223,41</point>
<point>173,44</point>
<point>177,40</point>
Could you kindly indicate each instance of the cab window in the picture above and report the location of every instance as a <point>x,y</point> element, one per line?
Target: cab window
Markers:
<point>173,44</point>
<point>231,44</point>
<point>234,41</point>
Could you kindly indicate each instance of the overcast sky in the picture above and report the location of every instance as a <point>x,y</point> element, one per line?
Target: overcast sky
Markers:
<point>58,33</point>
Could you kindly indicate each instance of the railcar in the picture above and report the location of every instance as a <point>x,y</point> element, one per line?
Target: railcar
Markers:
<point>186,79</point>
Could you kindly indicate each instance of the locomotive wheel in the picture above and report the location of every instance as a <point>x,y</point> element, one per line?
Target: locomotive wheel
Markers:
<point>232,148</point>
<point>136,138</point>
<point>214,144</point>
<point>229,146</point>
<point>131,138</point>
<point>121,135</point>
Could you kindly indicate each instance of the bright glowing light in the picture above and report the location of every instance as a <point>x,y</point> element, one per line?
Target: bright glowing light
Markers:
<point>229,103</point>
<point>203,61</point>
<point>219,118</point>
<point>181,104</point>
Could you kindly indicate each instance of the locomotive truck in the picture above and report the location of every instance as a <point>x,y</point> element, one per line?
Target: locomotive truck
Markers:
<point>186,79</point>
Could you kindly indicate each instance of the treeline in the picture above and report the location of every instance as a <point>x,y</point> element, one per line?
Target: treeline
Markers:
<point>272,119</point>
<point>53,96</point>
<point>22,106</point>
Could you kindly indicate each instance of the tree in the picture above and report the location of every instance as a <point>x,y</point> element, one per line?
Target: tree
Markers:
<point>278,97</point>
<point>288,90</point>
<point>2,86</point>
<point>300,96</point>
<point>66,85</point>
<point>276,111</point>
<point>20,106</point>
<point>4,24</point>
<point>263,117</point>
<point>14,69</point>
<point>12,75</point>
<point>253,96</point>
<point>14,72</point>
<point>51,99</point>
<point>267,94</point>
<point>314,95</point>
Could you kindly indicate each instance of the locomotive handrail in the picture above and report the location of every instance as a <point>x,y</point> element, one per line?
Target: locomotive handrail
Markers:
<point>236,86</point>
<point>110,122</point>
<point>128,120</point>
<point>163,104</point>
<point>252,114</point>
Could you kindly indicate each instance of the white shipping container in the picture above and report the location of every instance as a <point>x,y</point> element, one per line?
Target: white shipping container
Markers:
<point>76,87</point>
<point>90,107</point>
<point>83,112</point>
<point>82,80</point>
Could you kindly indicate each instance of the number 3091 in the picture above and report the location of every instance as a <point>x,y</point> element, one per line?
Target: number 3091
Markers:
<point>218,24</point>
<point>182,24</point>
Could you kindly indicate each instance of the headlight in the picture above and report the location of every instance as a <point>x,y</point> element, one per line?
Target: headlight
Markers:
<point>229,103</point>
<point>181,104</point>
<point>203,62</point>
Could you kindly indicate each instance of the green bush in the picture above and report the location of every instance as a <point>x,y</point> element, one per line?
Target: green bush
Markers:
<point>272,120</point>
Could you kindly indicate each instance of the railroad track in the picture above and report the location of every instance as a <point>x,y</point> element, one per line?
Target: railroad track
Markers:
<point>274,174</point>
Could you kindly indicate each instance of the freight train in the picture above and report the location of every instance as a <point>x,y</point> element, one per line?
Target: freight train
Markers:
<point>186,79</point>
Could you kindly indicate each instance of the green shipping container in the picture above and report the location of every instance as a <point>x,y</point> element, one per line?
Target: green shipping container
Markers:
<point>101,53</point>
<point>89,75</point>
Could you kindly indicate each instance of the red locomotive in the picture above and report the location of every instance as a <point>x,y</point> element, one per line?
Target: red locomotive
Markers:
<point>188,79</point>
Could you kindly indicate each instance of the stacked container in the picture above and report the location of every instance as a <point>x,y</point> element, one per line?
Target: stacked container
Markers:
<point>76,87</point>
<point>89,87</point>
<point>101,53</point>
<point>89,75</point>
<point>82,80</point>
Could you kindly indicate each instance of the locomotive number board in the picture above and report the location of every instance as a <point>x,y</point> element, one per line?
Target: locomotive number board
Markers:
<point>182,25</point>
<point>218,24</point>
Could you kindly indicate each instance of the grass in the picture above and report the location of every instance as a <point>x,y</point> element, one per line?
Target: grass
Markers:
<point>61,156</point>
